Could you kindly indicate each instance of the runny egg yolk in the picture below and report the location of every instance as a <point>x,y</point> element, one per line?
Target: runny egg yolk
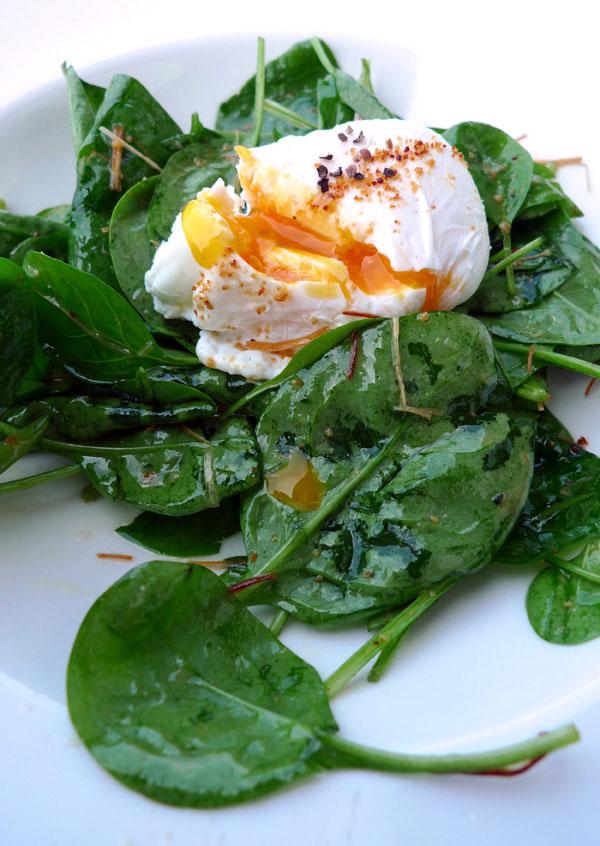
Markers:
<point>296,484</point>
<point>285,250</point>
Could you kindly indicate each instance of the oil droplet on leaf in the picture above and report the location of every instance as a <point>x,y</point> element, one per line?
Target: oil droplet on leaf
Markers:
<point>296,484</point>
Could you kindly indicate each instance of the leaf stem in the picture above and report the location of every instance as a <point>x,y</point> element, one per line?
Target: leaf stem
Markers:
<point>39,479</point>
<point>385,657</point>
<point>259,94</point>
<point>389,633</point>
<point>332,502</point>
<point>511,257</point>
<point>277,110</point>
<point>572,568</point>
<point>365,76</point>
<point>278,622</point>
<point>567,362</point>
<point>346,753</point>
<point>322,55</point>
<point>511,284</point>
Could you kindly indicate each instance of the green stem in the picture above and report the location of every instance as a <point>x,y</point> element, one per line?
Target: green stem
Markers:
<point>259,95</point>
<point>333,501</point>
<point>567,362</point>
<point>180,359</point>
<point>346,753</point>
<point>365,76</point>
<point>387,634</point>
<point>322,55</point>
<point>39,479</point>
<point>511,284</point>
<point>534,389</point>
<point>507,262</point>
<point>572,568</point>
<point>385,657</point>
<point>276,110</point>
<point>278,622</point>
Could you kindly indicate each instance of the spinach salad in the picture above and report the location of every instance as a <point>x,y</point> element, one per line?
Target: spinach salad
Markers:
<point>425,448</point>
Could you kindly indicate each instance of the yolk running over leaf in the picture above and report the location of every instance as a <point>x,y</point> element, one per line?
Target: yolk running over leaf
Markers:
<point>259,237</point>
<point>296,484</point>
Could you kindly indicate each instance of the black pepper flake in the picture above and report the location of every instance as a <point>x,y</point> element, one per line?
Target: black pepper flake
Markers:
<point>342,136</point>
<point>359,138</point>
<point>379,180</point>
<point>327,158</point>
<point>359,176</point>
<point>389,171</point>
<point>349,130</point>
<point>351,170</point>
<point>407,149</point>
<point>322,171</point>
<point>498,499</point>
<point>323,184</point>
<point>365,154</point>
<point>337,172</point>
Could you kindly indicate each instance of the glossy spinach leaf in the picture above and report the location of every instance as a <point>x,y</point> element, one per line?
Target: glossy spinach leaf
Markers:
<point>15,228</point>
<point>92,329</point>
<point>59,214</point>
<point>17,330</point>
<point>545,195</point>
<point>569,315</point>
<point>290,80</point>
<point>500,167</point>
<point>563,505</point>
<point>182,694</point>
<point>563,606</point>
<point>55,245</point>
<point>81,418</point>
<point>16,446</point>
<point>169,471</point>
<point>538,274</point>
<point>185,537</point>
<point>331,110</point>
<point>84,101</point>
<point>145,123</point>
<point>187,172</point>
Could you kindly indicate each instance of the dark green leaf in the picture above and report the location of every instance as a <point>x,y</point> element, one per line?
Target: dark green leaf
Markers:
<point>17,330</point>
<point>55,245</point>
<point>290,80</point>
<point>185,537</point>
<point>92,329</point>
<point>131,249</point>
<point>15,228</point>
<point>564,607</point>
<point>84,101</point>
<point>182,694</point>
<point>331,110</point>
<point>359,99</point>
<point>187,172</point>
<point>540,273</point>
<point>500,167</point>
<point>569,315</point>
<point>168,471</point>
<point>145,124</point>
<point>545,195</point>
<point>16,446</point>
<point>81,418</point>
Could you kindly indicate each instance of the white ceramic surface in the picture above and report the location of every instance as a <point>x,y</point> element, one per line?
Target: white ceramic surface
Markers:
<point>472,674</point>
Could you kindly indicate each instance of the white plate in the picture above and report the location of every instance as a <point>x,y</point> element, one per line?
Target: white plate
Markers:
<point>472,675</point>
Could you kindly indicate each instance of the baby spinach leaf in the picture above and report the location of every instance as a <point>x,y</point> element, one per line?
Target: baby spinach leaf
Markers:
<point>500,167</point>
<point>92,329</point>
<point>185,537</point>
<point>55,244</point>
<point>563,505</point>
<point>131,249</point>
<point>545,195</point>
<point>170,471</point>
<point>145,124</point>
<point>291,81</point>
<point>15,228</point>
<point>17,330</point>
<point>84,101</point>
<point>539,273</point>
<point>564,607</point>
<point>59,214</point>
<point>331,110</point>
<point>16,446</point>
<point>569,315</point>
<point>181,693</point>
<point>81,418</point>
<point>185,173</point>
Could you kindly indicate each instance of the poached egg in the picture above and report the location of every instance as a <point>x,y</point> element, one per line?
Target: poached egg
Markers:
<point>380,218</point>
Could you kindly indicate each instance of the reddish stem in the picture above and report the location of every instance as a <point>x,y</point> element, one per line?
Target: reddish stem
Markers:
<point>510,771</point>
<point>353,355</point>
<point>253,580</point>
